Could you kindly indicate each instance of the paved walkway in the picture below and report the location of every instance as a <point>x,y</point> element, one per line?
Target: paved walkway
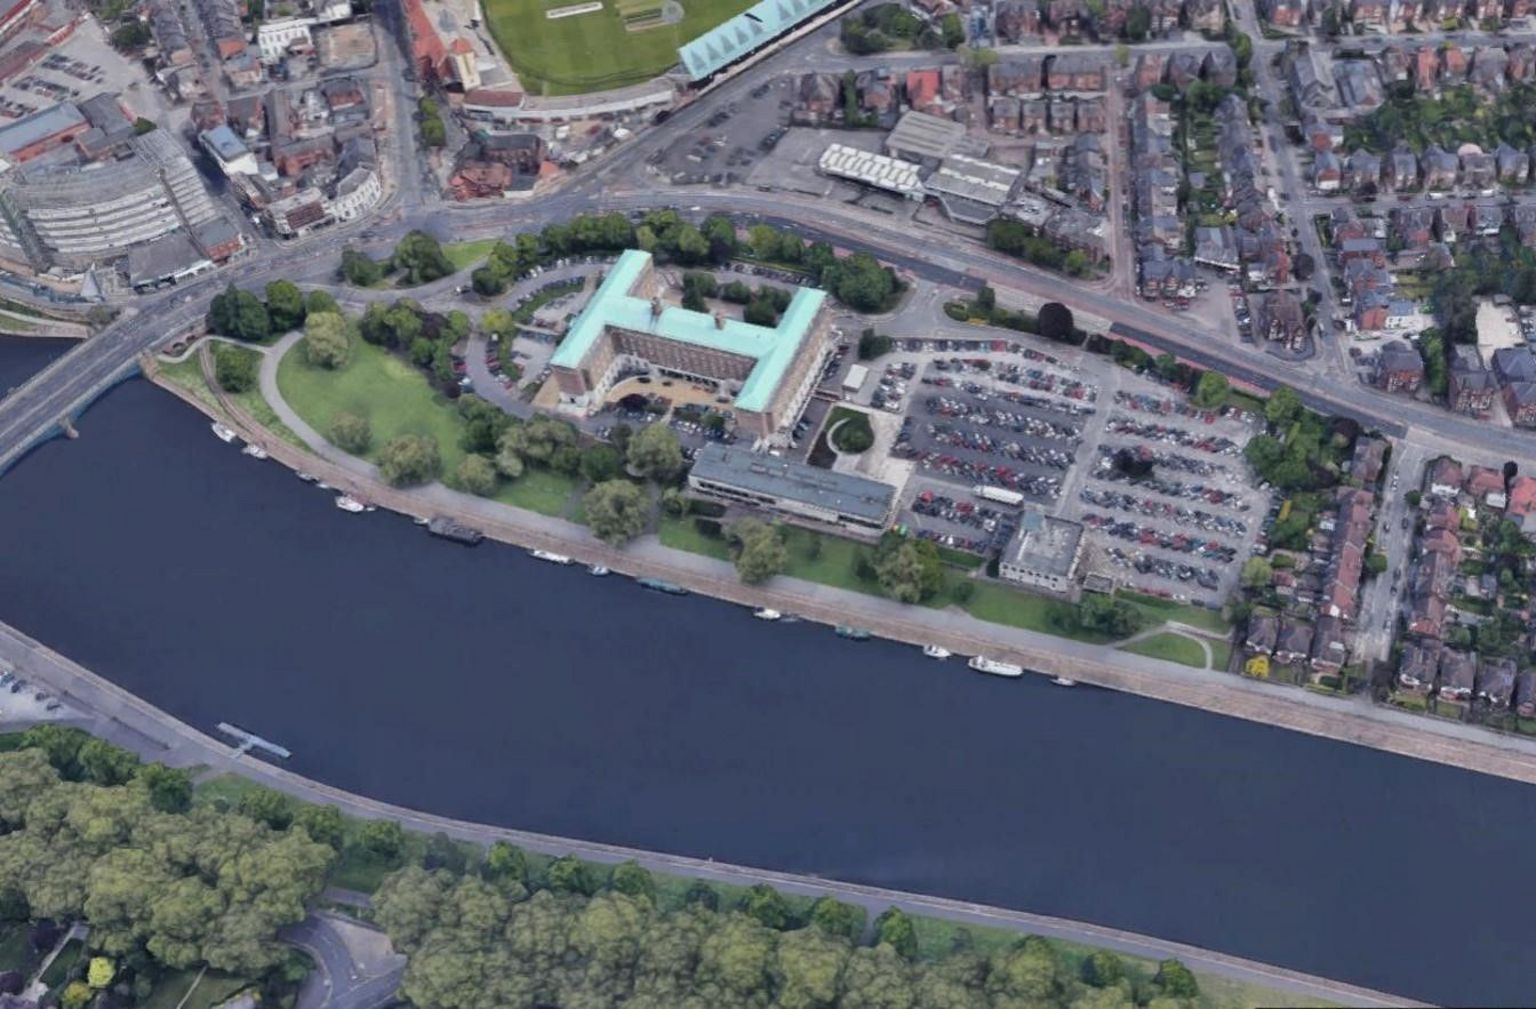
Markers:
<point>1350,719</point>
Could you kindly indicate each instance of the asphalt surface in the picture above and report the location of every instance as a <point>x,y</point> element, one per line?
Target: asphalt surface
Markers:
<point>339,982</point>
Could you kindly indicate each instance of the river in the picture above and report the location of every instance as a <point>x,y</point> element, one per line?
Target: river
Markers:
<point>481,684</point>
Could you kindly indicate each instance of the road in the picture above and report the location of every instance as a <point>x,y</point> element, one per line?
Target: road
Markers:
<point>131,722</point>
<point>341,982</point>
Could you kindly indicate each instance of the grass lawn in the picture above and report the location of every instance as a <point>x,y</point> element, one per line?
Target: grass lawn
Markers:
<point>213,989</point>
<point>539,490</point>
<point>395,397</point>
<point>591,52</point>
<point>852,422</point>
<point>1158,609</point>
<point>682,534</point>
<point>1172,647</point>
<point>16,949</point>
<point>462,254</point>
<point>188,375</point>
<point>1221,655</point>
<point>11,324</point>
<point>998,605</point>
<point>63,963</point>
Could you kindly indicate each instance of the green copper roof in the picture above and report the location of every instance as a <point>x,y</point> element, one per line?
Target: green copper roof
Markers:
<point>773,349</point>
<point>728,42</point>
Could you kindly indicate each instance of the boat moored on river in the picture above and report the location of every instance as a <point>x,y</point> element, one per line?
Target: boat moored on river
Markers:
<point>766,614</point>
<point>598,570</point>
<point>852,633</point>
<point>222,433</point>
<point>1062,681</point>
<point>254,450</point>
<point>546,555</point>
<point>658,585</point>
<point>935,652</point>
<point>348,503</point>
<point>982,664</point>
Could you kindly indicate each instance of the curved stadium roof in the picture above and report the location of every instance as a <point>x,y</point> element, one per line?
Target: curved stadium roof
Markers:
<point>723,45</point>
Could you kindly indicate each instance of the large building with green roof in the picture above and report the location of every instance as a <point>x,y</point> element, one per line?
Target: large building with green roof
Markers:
<point>627,328</point>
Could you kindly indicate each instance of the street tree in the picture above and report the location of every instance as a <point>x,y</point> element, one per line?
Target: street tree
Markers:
<point>359,269</point>
<point>1212,390</point>
<point>893,928</point>
<point>327,340</point>
<point>908,571</point>
<point>351,433</point>
<point>654,453</point>
<point>1283,408</point>
<point>419,258</point>
<point>601,462</point>
<point>285,305</point>
<point>410,459</point>
<point>617,511</point>
<point>1055,321</point>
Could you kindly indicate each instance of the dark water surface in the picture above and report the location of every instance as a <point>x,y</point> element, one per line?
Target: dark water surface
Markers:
<point>23,356</point>
<point>485,685</point>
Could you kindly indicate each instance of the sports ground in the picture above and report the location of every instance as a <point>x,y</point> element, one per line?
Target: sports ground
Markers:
<point>626,42</point>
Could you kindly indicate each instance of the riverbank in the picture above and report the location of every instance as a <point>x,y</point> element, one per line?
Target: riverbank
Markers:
<point>1351,720</point>
<point>133,723</point>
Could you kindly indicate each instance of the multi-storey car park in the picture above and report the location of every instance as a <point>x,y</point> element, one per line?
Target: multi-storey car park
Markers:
<point>627,329</point>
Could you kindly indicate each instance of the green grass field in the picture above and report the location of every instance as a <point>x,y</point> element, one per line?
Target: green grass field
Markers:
<point>395,398</point>
<point>462,254</point>
<point>593,52</point>
<point>1172,647</point>
<point>213,989</point>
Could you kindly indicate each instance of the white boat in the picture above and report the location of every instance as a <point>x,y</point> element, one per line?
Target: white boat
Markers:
<point>306,477</point>
<point>935,652</point>
<point>982,664</point>
<point>545,555</point>
<point>1062,681</point>
<point>347,503</point>
<point>222,433</point>
<point>597,569</point>
<point>323,485</point>
<point>767,614</point>
<point>254,450</point>
<point>421,520</point>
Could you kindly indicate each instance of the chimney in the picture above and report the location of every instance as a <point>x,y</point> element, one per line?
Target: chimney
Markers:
<point>719,319</point>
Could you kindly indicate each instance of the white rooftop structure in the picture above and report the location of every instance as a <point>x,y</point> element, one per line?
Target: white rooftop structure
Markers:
<point>872,169</point>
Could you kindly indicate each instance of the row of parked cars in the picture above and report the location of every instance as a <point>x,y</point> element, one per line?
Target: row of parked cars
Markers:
<point>16,685</point>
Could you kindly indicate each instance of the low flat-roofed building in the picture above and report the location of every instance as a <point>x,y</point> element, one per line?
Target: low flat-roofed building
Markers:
<point>40,132</point>
<point>233,157</point>
<point>972,190</point>
<point>626,329</point>
<point>918,135</point>
<point>1043,553</point>
<point>793,489</point>
<point>870,169</point>
<point>165,261</point>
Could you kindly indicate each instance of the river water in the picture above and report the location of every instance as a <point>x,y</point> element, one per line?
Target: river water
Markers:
<point>481,684</point>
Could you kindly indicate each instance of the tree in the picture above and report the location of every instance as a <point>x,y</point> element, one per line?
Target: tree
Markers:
<point>629,878</point>
<point>836,918</point>
<point>169,788</point>
<point>1283,408</point>
<point>100,973</point>
<point>760,312</point>
<point>420,258</point>
<point>266,806</point>
<point>505,863</point>
<point>860,282</point>
<point>105,764</point>
<point>360,270</point>
<point>601,462</point>
<point>1176,980</point>
<point>477,475</point>
<point>443,853</point>
<point>617,511</point>
<point>77,995</point>
<point>285,306</point>
<point>1256,573</point>
<point>384,838</point>
<point>60,744</point>
<point>767,906</point>
<point>980,58</point>
<point>760,550</point>
<point>1055,321</point>
<point>893,928</point>
<point>1212,390</point>
<point>1376,563</point>
<point>1413,498</point>
<point>569,874</point>
<point>1137,23</point>
<point>952,30</point>
<point>327,340</point>
<point>873,345</point>
<point>409,459</point>
<point>1103,969</point>
<point>133,35</point>
<point>351,433</point>
<point>323,824</point>
<point>234,368</point>
<point>239,314</point>
<point>1028,971</point>
<point>908,571</point>
<point>320,301</point>
<point>654,453</point>
<point>1113,618</point>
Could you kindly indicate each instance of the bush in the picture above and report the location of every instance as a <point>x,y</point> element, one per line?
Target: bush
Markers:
<point>477,475</point>
<point>351,433</point>
<point>234,368</point>
<point>409,459</point>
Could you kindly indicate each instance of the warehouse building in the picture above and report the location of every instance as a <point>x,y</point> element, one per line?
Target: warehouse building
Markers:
<point>792,489</point>
<point>41,132</point>
<point>870,169</point>
<point>1043,553</point>
<point>626,329</point>
<point>918,136</point>
<point>971,190</point>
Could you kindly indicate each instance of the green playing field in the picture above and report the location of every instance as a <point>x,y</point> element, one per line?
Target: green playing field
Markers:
<point>594,51</point>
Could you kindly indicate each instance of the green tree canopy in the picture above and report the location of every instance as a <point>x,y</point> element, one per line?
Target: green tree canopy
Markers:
<point>409,459</point>
<point>327,340</point>
<point>617,511</point>
<point>654,453</point>
<point>760,550</point>
<point>351,433</point>
<point>285,305</point>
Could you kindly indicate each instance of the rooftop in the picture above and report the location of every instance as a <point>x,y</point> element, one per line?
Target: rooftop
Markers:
<point>1044,544</point>
<point>871,169</point>
<point>613,305</point>
<point>224,143</point>
<point>725,44</point>
<point>781,478</point>
<point>925,136</point>
<point>29,130</point>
